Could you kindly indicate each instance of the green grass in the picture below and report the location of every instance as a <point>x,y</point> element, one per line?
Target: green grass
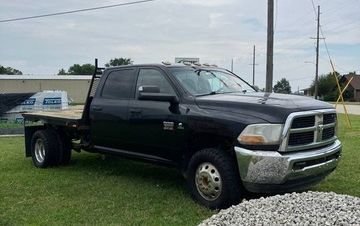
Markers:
<point>92,191</point>
<point>346,178</point>
<point>115,191</point>
<point>10,125</point>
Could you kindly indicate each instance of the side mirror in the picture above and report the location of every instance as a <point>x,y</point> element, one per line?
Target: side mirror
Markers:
<point>153,93</point>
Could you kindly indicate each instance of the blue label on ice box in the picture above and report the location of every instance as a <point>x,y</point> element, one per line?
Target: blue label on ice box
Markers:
<point>52,101</point>
<point>30,101</point>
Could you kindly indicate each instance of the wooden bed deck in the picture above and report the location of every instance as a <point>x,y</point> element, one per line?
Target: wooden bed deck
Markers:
<point>73,113</point>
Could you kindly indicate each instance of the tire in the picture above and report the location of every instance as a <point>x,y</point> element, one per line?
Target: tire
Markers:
<point>45,148</point>
<point>64,148</point>
<point>213,179</point>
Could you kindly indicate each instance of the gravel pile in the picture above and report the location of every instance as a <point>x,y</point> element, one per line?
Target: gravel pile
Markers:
<point>308,208</point>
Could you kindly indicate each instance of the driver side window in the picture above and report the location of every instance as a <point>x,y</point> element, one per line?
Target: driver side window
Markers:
<point>153,77</point>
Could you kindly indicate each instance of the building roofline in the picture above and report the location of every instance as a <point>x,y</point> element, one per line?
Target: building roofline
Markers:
<point>45,77</point>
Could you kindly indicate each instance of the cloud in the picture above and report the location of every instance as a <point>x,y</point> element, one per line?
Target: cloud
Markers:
<point>214,30</point>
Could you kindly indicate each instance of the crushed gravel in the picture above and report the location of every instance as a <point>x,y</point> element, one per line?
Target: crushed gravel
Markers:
<point>307,208</point>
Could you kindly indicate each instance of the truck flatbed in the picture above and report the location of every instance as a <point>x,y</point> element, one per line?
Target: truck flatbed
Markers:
<point>67,117</point>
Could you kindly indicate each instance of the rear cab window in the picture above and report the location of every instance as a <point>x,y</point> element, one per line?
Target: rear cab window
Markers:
<point>119,84</point>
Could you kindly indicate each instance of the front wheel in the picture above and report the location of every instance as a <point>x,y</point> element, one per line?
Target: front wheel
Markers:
<point>213,179</point>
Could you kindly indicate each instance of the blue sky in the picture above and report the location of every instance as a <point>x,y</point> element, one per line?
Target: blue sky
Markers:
<point>214,30</point>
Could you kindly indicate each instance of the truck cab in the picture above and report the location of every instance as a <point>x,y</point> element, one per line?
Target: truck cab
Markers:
<point>137,109</point>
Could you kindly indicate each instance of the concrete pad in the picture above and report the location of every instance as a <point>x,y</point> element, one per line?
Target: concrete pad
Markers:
<point>352,109</point>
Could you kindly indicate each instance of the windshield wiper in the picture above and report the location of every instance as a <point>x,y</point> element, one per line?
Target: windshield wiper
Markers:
<point>214,93</point>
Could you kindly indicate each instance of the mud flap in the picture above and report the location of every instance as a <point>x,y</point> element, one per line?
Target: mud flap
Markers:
<point>29,131</point>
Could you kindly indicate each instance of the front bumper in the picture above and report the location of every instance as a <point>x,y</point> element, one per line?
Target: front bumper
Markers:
<point>272,171</point>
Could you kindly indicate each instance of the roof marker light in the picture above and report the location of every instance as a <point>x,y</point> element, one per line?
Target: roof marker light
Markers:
<point>165,62</point>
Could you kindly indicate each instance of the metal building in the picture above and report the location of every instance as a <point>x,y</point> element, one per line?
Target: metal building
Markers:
<point>75,85</point>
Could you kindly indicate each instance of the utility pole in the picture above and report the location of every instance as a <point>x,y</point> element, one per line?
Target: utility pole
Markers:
<point>316,92</point>
<point>253,66</point>
<point>232,64</point>
<point>270,47</point>
<point>317,55</point>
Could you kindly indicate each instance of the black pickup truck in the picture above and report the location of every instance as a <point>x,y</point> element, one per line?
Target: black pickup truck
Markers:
<point>224,136</point>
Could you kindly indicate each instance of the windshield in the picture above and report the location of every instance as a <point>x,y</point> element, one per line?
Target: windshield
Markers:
<point>207,82</point>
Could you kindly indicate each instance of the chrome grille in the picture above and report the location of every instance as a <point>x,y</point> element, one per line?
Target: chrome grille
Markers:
<point>306,121</point>
<point>308,130</point>
<point>301,138</point>
<point>329,118</point>
<point>328,133</point>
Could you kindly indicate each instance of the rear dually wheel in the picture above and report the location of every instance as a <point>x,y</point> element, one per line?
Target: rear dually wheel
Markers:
<point>44,148</point>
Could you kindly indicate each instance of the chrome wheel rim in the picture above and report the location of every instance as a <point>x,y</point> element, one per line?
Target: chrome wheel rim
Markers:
<point>39,150</point>
<point>208,181</point>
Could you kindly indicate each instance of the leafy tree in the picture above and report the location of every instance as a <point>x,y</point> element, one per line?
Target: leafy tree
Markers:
<point>85,69</point>
<point>88,69</point>
<point>77,69</point>
<point>118,61</point>
<point>282,86</point>
<point>9,71</point>
<point>327,88</point>
<point>62,72</point>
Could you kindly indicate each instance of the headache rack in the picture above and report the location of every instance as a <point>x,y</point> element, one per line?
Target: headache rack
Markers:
<point>308,130</point>
<point>91,92</point>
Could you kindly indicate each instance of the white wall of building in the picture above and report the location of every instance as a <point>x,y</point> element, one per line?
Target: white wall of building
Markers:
<point>76,85</point>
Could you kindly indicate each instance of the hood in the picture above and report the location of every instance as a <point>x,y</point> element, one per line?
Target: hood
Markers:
<point>271,107</point>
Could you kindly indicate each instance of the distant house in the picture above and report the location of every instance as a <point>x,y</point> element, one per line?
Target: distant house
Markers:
<point>308,92</point>
<point>353,90</point>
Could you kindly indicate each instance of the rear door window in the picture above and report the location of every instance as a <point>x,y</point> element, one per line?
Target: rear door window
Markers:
<point>119,85</point>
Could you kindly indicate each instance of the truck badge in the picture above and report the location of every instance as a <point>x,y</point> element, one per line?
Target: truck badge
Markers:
<point>320,127</point>
<point>168,125</point>
<point>319,130</point>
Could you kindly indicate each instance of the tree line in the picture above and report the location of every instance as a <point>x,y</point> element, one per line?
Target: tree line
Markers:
<point>327,87</point>
<point>76,69</point>
<point>88,69</point>
<point>9,71</point>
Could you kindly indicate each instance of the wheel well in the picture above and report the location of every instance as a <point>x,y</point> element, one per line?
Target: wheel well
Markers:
<point>30,130</point>
<point>201,141</point>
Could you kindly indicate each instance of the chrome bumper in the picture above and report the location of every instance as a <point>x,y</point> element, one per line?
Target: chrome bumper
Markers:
<point>261,171</point>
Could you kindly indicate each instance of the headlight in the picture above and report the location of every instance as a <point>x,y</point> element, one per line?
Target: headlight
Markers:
<point>261,134</point>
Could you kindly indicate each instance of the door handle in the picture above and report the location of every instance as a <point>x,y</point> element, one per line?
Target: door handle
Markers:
<point>97,108</point>
<point>135,111</point>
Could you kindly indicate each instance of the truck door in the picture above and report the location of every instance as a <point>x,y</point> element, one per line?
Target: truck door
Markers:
<point>156,129</point>
<point>109,109</point>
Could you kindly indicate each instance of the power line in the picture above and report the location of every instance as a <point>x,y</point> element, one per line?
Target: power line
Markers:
<point>300,79</point>
<point>314,8</point>
<point>75,11</point>
<point>322,34</point>
<point>336,16</point>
